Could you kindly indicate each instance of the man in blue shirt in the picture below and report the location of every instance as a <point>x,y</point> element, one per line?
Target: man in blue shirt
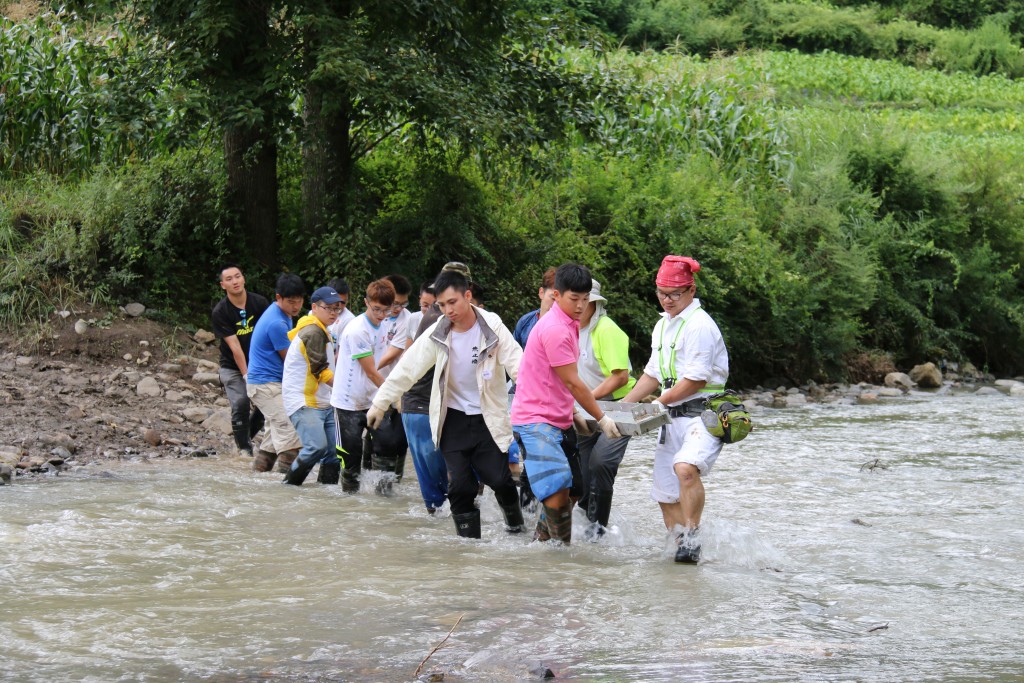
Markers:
<point>267,350</point>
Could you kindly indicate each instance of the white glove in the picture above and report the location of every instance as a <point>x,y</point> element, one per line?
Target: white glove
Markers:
<point>607,425</point>
<point>660,407</point>
<point>580,423</point>
<point>374,416</point>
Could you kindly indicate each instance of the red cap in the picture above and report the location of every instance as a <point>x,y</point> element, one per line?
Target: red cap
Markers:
<point>676,271</point>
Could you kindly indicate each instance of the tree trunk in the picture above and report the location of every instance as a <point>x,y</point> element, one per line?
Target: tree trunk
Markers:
<point>251,157</point>
<point>326,163</point>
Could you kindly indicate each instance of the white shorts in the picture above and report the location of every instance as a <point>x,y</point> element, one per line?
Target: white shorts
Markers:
<point>686,440</point>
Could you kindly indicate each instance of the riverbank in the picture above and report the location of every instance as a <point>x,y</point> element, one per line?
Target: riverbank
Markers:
<point>119,387</point>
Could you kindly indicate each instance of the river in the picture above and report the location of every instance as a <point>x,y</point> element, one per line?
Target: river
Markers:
<point>842,542</point>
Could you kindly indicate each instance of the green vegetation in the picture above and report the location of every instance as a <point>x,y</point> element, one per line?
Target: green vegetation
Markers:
<point>849,198</point>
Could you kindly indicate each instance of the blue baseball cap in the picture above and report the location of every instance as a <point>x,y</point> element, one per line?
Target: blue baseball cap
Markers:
<point>326,295</point>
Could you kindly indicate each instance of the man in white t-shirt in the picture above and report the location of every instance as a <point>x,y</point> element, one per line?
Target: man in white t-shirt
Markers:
<point>340,285</point>
<point>357,378</point>
<point>472,352</point>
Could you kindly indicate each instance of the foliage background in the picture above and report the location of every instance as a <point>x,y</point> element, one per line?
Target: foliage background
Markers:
<point>847,173</point>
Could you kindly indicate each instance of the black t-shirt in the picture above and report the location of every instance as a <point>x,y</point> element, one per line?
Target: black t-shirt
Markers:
<point>229,320</point>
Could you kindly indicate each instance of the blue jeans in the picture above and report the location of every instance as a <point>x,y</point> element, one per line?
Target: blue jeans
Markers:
<point>428,461</point>
<point>315,427</point>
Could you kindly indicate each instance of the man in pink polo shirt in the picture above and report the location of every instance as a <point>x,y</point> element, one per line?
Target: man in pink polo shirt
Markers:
<point>543,409</point>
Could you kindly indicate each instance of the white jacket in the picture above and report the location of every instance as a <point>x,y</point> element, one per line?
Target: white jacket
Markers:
<point>500,355</point>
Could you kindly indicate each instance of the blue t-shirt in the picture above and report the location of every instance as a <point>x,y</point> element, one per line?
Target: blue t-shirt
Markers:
<point>268,337</point>
<point>525,326</point>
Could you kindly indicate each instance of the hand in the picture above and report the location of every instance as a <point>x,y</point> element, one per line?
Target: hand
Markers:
<point>374,416</point>
<point>607,425</point>
<point>580,423</point>
<point>660,407</point>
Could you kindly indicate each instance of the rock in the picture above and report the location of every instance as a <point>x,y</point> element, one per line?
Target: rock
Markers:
<point>1017,390</point>
<point>926,375</point>
<point>81,327</point>
<point>793,400</point>
<point>60,453</point>
<point>222,402</point>
<point>172,395</point>
<point>1008,383</point>
<point>10,455</point>
<point>127,356</point>
<point>988,391</point>
<point>968,371</point>
<point>219,422</point>
<point>152,437</point>
<point>170,368</point>
<point>867,397</point>
<point>24,361</point>
<point>196,414</point>
<point>890,392</point>
<point>204,337</point>
<point>203,365</point>
<point>148,386</point>
<point>135,309</point>
<point>58,439</point>
<point>898,379</point>
<point>206,378</point>
<point>6,475</point>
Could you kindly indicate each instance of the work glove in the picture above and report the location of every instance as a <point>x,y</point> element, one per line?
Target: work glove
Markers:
<point>374,416</point>
<point>607,425</point>
<point>660,407</point>
<point>580,423</point>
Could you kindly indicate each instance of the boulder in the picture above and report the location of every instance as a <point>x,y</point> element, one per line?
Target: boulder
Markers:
<point>148,386</point>
<point>988,391</point>
<point>899,379</point>
<point>926,375</point>
<point>1017,390</point>
<point>203,365</point>
<point>793,400</point>
<point>135,309</point>
<point>867,397</point>
<point>10,455</point>
<point>1008,383</point>
<point>6,475</point>
<point>219,422</point>
<point>204,337</point>
<point>58,439</point>
<point>890,392</point>
<point>969,372</point>
<point>196,414</point>
<point>206,378</point>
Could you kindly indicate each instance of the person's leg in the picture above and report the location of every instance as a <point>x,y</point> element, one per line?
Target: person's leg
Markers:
<point>550,477</point>
<point>389,448</point>
<point>605,457</point>
<point>491,466</point>
<point>234,388</point>
<point>281,443</point>
<point>585,448</point>
<point>426,459</point>
<point>330,466</point>
<point>309,424</point>
<point>693,460</point>
<point>350,425</point>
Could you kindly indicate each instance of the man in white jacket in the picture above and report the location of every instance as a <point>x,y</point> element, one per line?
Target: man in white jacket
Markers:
<point>471,351</point>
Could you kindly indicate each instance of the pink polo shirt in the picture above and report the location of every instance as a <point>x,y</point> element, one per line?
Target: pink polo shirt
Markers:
<point>540,394</point>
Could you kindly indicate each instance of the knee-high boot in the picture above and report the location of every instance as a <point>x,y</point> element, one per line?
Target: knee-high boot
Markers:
<point>559,522</point>
<point>467,524</point>
<point>599,509</point>
<point>285,460</point>
<point>298,473</point>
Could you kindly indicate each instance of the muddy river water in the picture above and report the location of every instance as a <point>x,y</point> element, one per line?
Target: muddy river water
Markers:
<point>842,542</point>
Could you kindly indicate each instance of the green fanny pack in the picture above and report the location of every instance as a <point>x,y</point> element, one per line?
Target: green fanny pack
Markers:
<point>726,417</point>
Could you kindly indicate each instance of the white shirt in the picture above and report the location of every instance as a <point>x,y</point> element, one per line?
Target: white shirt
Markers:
<point>463,391</point>
<point>699,349</point>
<point>339,325</point>
<point>414,324</point>
<point>353,390</point>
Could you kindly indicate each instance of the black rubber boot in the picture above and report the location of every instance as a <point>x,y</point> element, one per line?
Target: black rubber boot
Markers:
<point>599,509</point>
<point>330,472</point>
<point>242,442</point>
<point>688,551</point>
<point>467,524</point>
<point>514,522</point>
<point>298,473</point>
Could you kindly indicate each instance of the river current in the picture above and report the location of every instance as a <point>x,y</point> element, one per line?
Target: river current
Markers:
<point>842,543</point>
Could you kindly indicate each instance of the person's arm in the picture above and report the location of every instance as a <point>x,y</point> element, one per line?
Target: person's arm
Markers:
<point>236,352</point>
<point>681,389</point>
<point>571,379</point>
<point>643,388</point>
<point>510,354</point>
<point>618,378</point>
<point>412,366</point>
<point>389,357</point>
<point>366,363</point>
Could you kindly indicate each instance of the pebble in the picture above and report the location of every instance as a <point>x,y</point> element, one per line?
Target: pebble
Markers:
<point>206,378</point>
<point>81,327</point>
<point>148,386</point>
<point>204,337</point>
<point>152,437</point>
<point>135,309</point>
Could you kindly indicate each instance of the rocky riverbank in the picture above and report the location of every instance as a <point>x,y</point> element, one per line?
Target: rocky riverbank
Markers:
<point>124,388</point>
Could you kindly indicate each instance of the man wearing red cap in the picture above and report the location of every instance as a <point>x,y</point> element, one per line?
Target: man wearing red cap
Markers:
<point>688,362</point>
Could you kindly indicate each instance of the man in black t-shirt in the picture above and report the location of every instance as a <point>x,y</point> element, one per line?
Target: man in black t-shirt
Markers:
<point>233,319</point>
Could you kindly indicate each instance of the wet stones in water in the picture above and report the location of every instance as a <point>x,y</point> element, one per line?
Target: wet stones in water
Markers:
<point>6,475</point>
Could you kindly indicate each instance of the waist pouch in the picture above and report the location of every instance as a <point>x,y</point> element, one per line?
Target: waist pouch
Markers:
<point>692,408</point>
<point>725,416</point>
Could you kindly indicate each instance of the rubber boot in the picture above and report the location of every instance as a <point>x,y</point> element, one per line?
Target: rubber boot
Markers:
<point>527,500</point>
<point>541,533</point>
<point>298,473</point>
<point>285,460</point>
<point>330,472</point>
<point>242,441</point>
<point>514,522</point>
<point>559,523</point>
<point>599,509</point>
<point>467,524</point>
<point>264,461</point>
<point>688,551</point>
<point>400,467</point>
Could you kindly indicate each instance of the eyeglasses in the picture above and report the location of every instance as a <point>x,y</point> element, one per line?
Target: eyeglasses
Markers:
<point>671,296</point>
<point>399,305</point>
<point>377,310</point>
<point>333,309</point>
